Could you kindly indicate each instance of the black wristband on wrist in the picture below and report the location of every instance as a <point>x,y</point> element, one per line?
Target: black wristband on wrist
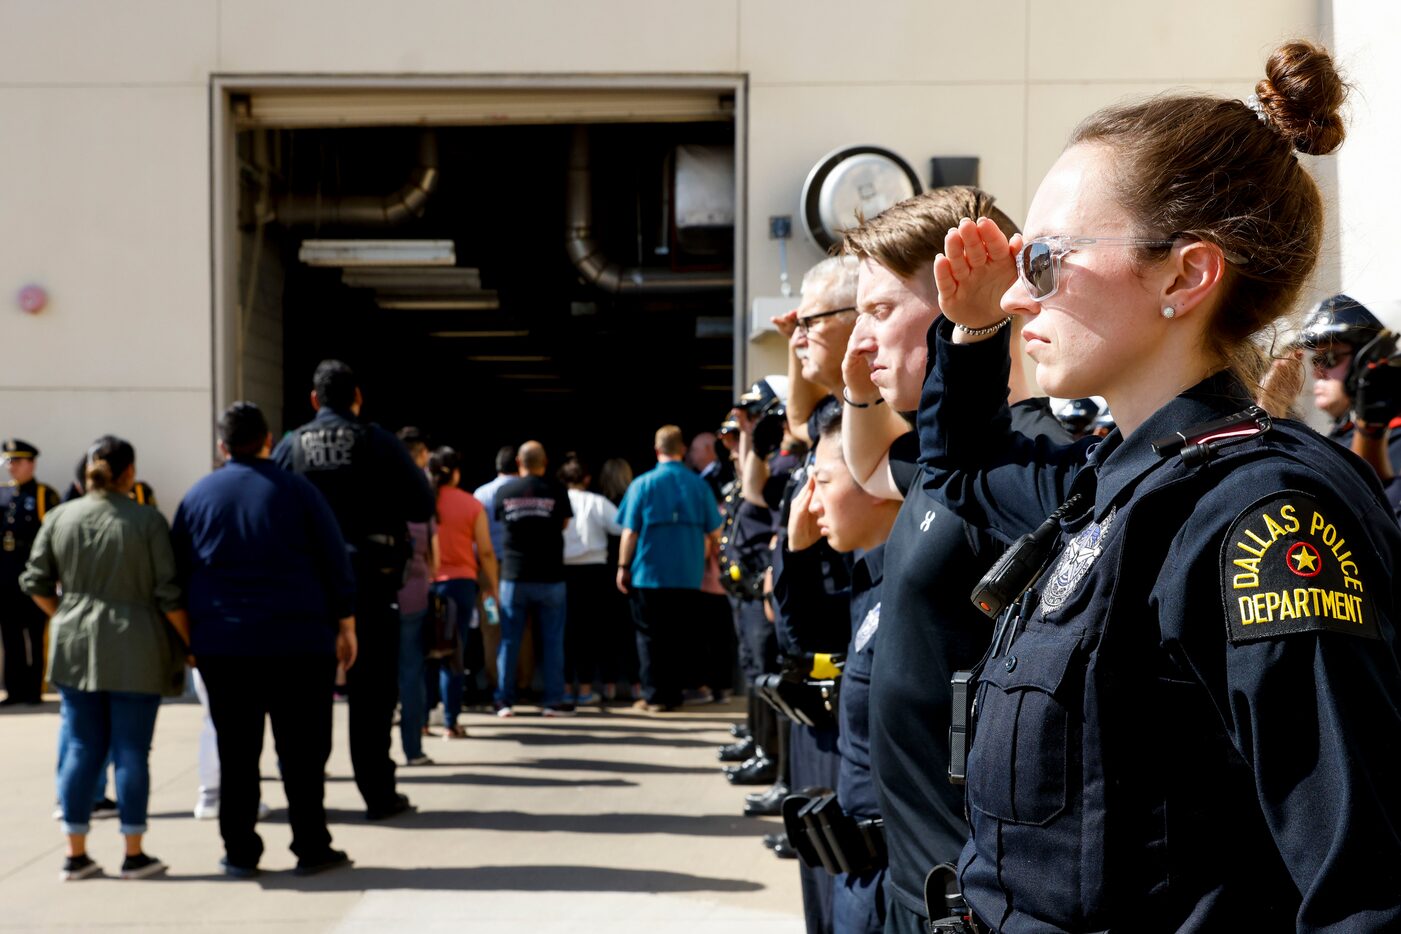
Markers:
<point>859,405</point>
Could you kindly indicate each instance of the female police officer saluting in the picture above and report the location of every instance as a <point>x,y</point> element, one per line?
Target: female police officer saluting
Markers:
<point>1190,721</point>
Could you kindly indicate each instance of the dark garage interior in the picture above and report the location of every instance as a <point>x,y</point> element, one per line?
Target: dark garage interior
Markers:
<point>602,309</point>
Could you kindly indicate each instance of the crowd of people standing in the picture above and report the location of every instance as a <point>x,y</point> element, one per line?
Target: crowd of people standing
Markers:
<point>1004,674</point>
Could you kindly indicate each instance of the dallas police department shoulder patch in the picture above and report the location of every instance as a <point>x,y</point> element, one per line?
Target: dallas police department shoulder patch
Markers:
<point>1290,564</point>
<point>1075,562</point>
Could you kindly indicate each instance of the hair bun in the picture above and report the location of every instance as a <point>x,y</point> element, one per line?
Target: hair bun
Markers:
<point>1302,95</point>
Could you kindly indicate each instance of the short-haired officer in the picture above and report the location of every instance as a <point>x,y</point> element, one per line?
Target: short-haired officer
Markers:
<point>24,502</point>
<point>375,489</point>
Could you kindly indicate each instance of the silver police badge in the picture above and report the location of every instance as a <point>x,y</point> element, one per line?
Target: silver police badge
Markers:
<point>1082,552</point>
<point>868,628</point>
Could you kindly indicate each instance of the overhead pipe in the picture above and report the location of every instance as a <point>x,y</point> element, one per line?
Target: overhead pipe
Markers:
<point>389,210</point>
<point>588,257</point>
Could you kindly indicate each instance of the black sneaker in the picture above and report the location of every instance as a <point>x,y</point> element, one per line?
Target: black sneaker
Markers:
<point>331,859</point>
<point>235,871</point>
<point>79,867</point>
<point>398,805</point>
<point>142,866</point>
<point>104,808</point>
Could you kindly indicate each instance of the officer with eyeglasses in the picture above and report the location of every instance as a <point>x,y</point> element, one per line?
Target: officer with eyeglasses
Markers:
<point>1356,382</point>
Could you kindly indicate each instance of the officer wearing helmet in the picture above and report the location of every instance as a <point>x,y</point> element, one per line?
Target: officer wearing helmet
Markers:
<point>1356,381</point>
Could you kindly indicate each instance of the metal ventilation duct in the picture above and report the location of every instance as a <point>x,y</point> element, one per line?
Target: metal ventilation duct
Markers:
<point>365,210</point>
<point>586,254</point>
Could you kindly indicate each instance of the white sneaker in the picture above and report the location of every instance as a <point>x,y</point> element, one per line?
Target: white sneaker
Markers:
<point>505,712</point>
<point>209,810</point>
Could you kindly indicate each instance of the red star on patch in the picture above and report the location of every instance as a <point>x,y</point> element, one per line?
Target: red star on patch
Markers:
<point>1304,560</point>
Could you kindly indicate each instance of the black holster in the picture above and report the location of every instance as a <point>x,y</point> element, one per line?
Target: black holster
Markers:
<point>941,896</point>
<point>826,837</point>
<point>811,702</point>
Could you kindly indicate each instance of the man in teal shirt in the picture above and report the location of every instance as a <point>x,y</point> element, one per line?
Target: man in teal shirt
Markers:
<point>668,515</point>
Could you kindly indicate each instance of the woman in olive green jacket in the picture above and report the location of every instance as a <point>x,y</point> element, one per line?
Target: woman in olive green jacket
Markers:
<point>113,652</point>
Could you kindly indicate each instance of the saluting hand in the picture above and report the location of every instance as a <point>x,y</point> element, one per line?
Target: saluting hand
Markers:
<point>787,324</point>
<point>802,524</point>
<point>977,266</point>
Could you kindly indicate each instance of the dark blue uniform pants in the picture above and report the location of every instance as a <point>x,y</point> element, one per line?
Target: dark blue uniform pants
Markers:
<point>901,920</point>
<point>374,686</point>
<point>858,903</point>
<point>22,631</point>
<point>813,762</point>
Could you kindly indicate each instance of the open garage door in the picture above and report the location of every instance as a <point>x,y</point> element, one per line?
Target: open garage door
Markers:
<point>497,262</point>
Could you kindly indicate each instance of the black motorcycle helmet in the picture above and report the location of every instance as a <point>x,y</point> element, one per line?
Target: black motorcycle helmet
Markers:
<point>1340,319</point>
<point>760,400</point>
<point>1077,414</point>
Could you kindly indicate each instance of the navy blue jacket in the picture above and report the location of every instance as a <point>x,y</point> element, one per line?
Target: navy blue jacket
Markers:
<point>1194,724</point>
<point>262,563</point>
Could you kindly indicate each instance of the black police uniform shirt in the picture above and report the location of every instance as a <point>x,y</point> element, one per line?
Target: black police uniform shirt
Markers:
<point>856,790</point>
<point>930,630</point>
<point>1195,724</point>
<point>812,587</point>
<point>747,534</point>
<point>1342,432</point>
<point>534,510</point>
<point>365,473</point>
<point>23,508</point>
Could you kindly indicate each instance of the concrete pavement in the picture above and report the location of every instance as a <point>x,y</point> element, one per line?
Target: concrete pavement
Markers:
<point>611,821</point>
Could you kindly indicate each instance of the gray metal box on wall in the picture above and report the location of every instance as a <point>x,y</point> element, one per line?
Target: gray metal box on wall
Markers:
<point>705,194</point>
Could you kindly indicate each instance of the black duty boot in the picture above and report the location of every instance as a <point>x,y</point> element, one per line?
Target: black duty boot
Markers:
<point>738,751</point>
<point>758,770</point>
<point>768,803</point>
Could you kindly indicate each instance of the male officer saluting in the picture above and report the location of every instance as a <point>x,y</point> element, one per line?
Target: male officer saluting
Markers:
<point>374,489</point>
<point>23,505</point>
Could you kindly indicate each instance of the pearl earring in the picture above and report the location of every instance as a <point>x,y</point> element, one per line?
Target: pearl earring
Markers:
<point>1168,312</point>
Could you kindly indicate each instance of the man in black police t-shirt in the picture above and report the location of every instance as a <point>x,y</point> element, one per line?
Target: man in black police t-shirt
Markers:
<point>375,489</point>
<point>534,511</point>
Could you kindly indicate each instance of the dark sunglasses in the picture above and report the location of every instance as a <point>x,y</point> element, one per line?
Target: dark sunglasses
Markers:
<point>1038,263</point>
<point>805,322</point>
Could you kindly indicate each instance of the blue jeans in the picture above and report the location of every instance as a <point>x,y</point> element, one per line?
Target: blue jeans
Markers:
<point>413,702</point>
<point>99,787</point>
<point>463,592</point>
<point>95,722</point>
<point>546,600</point>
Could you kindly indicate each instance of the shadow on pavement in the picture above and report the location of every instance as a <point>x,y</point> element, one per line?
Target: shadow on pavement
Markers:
<point>592,725</point>
<point>600,765</point>
<point>700,825</point>
<point>572,738</point>
<point>423,776</point>
<point>506,878</point>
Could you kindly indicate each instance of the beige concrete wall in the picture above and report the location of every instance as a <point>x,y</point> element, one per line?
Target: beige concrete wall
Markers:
<point>1366,33</point>
<point>104,173</point>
